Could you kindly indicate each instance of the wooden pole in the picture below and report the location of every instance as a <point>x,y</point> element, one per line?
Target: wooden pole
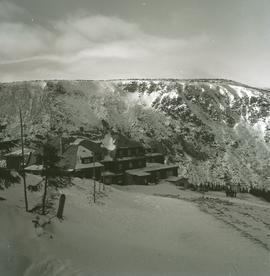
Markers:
<point>61,206</point>
<point>103,179</point>
<point>94,176</point>
<point>22,165</point>
<point>44,194</point>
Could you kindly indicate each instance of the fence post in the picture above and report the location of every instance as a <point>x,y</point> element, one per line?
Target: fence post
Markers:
<point>61,206</point>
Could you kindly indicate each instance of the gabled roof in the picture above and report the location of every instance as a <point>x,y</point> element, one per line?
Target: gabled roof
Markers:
<point>34,168</point>
<point>72,158</point>
<point>93,146</point>
<point>69,158</point>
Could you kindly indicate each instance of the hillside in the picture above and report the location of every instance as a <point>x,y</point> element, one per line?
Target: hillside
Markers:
<point>213,128</point>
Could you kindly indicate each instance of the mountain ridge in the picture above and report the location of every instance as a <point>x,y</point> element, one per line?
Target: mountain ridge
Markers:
<point>266,89</point>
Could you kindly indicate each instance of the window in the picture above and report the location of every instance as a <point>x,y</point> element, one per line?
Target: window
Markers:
<point>120,167</point>
<point>87,160</point>
<point>130,165</point>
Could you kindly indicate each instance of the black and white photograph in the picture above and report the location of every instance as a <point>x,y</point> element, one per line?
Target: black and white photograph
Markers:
<point>134,138</point>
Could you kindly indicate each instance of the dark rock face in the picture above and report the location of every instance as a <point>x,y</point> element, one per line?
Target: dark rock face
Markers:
<point>211,127</point>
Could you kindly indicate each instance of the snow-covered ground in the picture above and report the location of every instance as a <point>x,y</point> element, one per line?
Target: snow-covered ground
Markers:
<point>124,233</point>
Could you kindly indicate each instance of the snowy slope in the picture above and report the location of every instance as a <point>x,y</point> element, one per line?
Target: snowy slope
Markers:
<point>123,234</point>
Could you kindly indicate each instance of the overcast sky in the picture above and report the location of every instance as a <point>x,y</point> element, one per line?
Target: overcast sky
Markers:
<point>105,39</point>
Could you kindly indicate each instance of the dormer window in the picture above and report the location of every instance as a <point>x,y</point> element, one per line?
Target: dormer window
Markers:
<point>87,160</point>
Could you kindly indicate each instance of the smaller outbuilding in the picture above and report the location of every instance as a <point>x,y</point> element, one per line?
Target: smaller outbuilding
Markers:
<point>14,159</point>
<point>152,173</point>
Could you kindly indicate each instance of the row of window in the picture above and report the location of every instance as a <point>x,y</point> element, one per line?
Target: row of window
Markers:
<point>155,159</point>
<point>120,153</point>
<point>130,165</point>
<point>121,166</point>
<point>130,152</point>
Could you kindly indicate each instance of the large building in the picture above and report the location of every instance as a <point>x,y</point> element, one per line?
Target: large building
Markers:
<point>122,154</point>
<point>129,162</point>
<point>116,159</point>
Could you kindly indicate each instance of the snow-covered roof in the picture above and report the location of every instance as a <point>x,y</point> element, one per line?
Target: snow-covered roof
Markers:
<point>149,168</point>
<point>34,168</point>
<point>72,158</point>
<point>19,152</point>
<point>80,166</point>
<point>77,141</point>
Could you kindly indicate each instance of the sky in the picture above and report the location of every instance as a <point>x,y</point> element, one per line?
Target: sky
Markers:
<point>112,39</point>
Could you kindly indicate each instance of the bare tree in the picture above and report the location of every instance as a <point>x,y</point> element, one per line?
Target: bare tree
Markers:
<point>49,157</point>
<point>23,165</point>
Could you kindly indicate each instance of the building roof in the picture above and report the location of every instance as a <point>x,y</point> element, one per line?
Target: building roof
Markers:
<point>94,146</point>
<point>174,179</point>
<point>36,168</point>
<point>72,158</point>
<point>150,168</point>
<point>128,158</point>
<point>18,152</point>
<point>107,173</point>
<point>137,172</point>
<point>153,154</point>
<point>88,166</point>
<point>158,166</point>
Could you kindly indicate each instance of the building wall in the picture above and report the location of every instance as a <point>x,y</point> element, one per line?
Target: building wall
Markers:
<point>89,173</point>
<point>122,165</point>
<point>155,159</point>
<point>136,180</point>
<point>14,162</point>
<point>155,176</point>
<point>129,152</point>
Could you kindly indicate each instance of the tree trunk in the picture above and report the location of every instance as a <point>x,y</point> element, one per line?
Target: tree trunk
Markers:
<point>94,177</point>
<point>44,196</point>
<point>25,191</point>
<point>61,206</point>
<point>22,165</point>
